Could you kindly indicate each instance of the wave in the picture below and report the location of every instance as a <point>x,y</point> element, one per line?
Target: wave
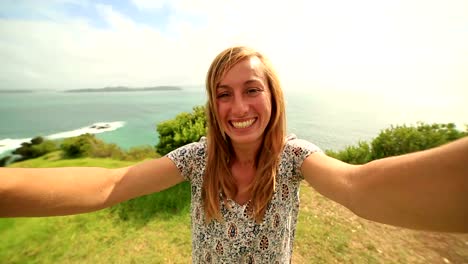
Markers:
<point>96,128</point>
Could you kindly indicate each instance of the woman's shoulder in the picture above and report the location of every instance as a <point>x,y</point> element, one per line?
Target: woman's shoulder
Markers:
<point>195,148</point>
<point>294,153</point>
<point>192,152</point>
<point>295,144</point>
<point>297,150</point>
<point>190,159</point>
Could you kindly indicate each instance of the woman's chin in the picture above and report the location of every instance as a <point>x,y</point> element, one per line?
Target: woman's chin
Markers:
<point>245,139</point>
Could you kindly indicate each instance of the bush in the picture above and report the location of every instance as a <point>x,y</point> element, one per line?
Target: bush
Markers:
<point>106,150</point>
<point>45,147</point>
<point>398,140</point>
<point>79,146</point>
<point>184,129</point>
<point>5,161</point>
<point>354,154</point>
<point>140,153</point>
<point>404,139</point>
<point>35,148</point>
<point>87,145</point>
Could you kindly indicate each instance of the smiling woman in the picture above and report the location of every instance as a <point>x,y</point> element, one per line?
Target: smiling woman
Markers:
<point>243,102</point>
<point>245,176</point>
<point>243,89</point>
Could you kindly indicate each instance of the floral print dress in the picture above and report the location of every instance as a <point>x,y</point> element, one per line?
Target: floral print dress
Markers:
<point>238,238</point>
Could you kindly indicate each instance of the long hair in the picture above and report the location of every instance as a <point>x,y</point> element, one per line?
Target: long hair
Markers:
<point>218,177</point>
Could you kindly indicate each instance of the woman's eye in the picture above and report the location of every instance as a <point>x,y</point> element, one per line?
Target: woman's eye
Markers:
<point>222,95</point>
<point>253,91</point>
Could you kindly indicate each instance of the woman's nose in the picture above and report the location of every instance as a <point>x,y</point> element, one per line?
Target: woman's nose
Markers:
<point>240,106</point>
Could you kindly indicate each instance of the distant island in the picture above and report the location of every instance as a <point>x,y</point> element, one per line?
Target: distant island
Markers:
<point>125,89</point>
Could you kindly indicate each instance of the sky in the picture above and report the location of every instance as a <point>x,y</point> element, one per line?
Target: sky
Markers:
<point>401,47</point>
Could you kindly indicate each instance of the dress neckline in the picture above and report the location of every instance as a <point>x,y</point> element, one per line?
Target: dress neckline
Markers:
<point>238,204</point>
<point>232,202</point>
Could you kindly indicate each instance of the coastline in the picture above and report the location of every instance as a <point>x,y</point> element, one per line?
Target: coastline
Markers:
<point>7,145</point>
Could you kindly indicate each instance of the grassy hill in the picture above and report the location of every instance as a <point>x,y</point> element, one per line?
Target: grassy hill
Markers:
<point>159,232</point>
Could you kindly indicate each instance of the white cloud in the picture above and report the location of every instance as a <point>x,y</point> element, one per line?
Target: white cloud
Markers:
<point>70,55</point>
<point>115,19</point>
<point>150,4</point>
<point>413,46</point>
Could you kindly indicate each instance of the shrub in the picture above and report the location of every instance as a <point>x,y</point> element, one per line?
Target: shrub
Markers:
<point>87,145</point>
<point>359,154</point>
<point>140,153</point>
<point>5,161</point>
<point>184,129</point>
<point>398,140</point>
<point>45,147</point>
<point>100,149</point>
<point>79,146</point>
<point>35,148</point>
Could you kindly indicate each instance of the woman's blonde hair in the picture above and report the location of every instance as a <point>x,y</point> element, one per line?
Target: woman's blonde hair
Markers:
<point>218,175</point>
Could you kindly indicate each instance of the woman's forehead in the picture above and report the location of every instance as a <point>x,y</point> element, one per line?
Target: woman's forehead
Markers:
<point>248,69</point>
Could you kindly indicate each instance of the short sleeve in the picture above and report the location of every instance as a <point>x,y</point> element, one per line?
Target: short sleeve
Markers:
<point>190,159</point>
<point>298,150</point>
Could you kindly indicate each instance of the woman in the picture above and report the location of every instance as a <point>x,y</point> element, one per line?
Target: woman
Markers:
<point>245,176</point>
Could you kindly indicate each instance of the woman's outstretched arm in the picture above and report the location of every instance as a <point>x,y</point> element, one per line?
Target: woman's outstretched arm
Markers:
<point>425,190</point>
<point>73,190</point>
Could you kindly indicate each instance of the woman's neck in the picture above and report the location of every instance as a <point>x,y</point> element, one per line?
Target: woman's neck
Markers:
<point>245,154</point>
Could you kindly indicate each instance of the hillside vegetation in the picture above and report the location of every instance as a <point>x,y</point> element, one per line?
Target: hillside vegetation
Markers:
<point>156,228</point>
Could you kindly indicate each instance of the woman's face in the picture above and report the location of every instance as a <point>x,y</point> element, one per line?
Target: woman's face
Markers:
<point>243,100</point>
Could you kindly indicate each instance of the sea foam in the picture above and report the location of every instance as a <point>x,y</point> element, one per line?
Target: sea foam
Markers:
<point>96,128</point>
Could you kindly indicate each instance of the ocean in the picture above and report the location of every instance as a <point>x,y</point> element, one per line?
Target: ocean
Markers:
<point>330,119</point>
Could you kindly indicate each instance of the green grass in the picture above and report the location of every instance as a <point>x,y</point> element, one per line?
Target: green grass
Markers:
<point>156,229</point>
<point>94,238</point>
<point>324,237</point>
<point>53,159</point>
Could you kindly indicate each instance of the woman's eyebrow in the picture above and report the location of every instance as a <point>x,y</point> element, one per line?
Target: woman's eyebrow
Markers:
<point>253,81</point>
<point>223,86</point>
<point>250,81</point>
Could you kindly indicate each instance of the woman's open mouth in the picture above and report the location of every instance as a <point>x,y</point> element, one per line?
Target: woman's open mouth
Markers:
<point>243,124</point>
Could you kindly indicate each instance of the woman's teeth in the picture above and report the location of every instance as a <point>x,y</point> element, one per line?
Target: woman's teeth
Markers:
<point>243,124</point>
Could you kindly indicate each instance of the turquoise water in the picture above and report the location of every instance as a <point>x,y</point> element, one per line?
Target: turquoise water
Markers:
<point>33,114</point>
<point>331,120</point>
